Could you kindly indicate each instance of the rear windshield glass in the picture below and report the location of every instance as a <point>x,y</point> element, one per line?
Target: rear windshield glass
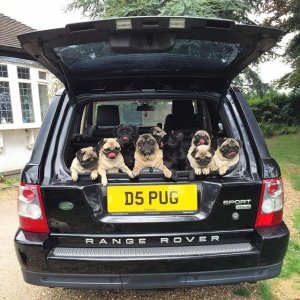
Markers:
<point>210,55</point>
<point>151,113</point>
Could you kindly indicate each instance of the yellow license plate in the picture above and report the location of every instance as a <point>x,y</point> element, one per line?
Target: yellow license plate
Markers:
<point>152,198</point>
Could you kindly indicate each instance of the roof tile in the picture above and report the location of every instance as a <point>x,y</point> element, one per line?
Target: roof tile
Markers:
<point>10,29</point>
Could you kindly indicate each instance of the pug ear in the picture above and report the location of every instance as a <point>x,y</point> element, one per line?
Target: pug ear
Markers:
<point>101,143</point>
<point>96,149</point>
<point>210,135</point>
<point>192,134</point>
<point>79,155</point>
<point>119,141</point>
<point>240,143</point>
<point>156,137</point>
<point>194,152</point>
<point>116,139</point>
<point>221,141</point>
<point>212,151</point>
<point>116,129</point>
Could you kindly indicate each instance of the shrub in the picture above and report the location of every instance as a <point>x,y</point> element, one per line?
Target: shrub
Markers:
<point>276,108</point>
<point>269,129</point>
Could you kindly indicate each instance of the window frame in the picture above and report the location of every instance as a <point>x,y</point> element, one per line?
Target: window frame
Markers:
<point>20,73</point>
<point>11,108</point>
<point>31,109</point>
<point>1,71</point>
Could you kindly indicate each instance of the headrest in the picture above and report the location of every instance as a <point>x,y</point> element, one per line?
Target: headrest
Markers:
<point>108,115</point>
<point>183,108</point>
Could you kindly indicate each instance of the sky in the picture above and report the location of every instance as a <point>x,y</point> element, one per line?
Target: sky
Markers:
<point>47,14</point>
<point>40,14</point>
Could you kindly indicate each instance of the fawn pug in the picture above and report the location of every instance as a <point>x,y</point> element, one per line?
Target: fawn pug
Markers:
<point>148,154</point>
<point>85,162</point>
<point>111,159</point>
<point>227,154</point>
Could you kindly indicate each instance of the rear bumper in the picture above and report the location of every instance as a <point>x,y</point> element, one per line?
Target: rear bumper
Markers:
<point>44,262</point>
<point>152,281</point>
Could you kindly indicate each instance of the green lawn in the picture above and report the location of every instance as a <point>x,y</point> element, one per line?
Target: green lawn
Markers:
<point>286,150</point>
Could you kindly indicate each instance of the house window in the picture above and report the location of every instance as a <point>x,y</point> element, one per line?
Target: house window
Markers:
<point>44,103</point>
<point>5,104</point>
<point>26,102</point>
<point>42,75</point>
<point>3,71</point>
<point>23,73</point>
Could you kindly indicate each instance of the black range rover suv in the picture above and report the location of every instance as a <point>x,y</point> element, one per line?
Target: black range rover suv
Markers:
<point>80,234</point>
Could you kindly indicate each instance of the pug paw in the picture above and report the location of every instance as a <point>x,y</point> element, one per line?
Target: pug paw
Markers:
<point>130,174</point>
<point>74,176</point>
<point>135,174</point>
<point>104,182</point>
<point>205,171</point>
<point>168,174</point>
<point>214,168</point>
<point>223,170</point>
<point>94,175</point>
<point>198,171</point>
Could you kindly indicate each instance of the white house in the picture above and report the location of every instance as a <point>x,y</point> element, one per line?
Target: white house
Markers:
<point>23,97</point>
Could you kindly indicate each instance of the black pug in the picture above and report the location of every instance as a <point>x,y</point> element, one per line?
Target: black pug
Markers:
<point>127,136</point>
<point>174,156</point>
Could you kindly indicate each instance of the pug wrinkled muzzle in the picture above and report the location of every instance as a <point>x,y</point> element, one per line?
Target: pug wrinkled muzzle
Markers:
<point>147,147</point>
<point>111,153</point>
<point>230,151</point>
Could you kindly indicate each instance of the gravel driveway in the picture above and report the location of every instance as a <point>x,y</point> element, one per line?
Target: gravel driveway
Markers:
<point>13,287</point>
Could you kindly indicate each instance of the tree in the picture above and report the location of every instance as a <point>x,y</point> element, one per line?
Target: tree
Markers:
<point>54,85</point>
<point>237,10</point>
<point>232,9</point>
<point>249,81</point>
<point>285,15</point>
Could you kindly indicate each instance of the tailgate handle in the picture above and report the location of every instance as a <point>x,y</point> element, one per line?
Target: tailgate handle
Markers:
<point>150,23</point>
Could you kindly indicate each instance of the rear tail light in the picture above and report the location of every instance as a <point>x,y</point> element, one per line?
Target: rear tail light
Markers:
<point>271,203</point>
<point>31,211</point>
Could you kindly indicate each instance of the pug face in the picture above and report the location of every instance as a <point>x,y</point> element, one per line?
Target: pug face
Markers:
<point>87,157</point>
<point>157,131</point>
<point>203,155</point>
<point>229,147</point>
<point>201,137</point>
<point>146,144</point>
<point>158,134</point>
<point>110,147</point>
<point>126,134</point>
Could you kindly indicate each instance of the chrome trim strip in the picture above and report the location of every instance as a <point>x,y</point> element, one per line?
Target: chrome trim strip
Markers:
<point>134,253</point>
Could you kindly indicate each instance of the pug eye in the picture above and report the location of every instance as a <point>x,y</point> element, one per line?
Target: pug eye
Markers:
<point>152,142</point>
<point>140,143</point>
<point>117,148</point>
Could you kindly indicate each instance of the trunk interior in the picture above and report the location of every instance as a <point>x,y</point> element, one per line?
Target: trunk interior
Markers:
<point>217,210</point>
